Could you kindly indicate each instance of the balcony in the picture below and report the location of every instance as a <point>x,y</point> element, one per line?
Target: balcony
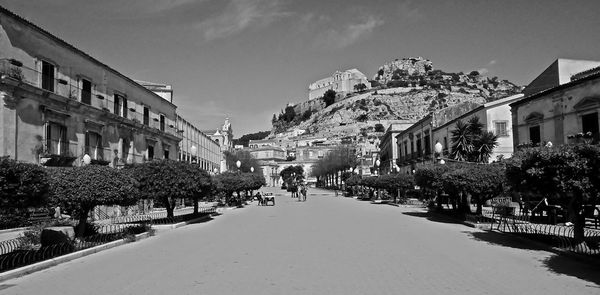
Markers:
<point>58,153</point>
<point>64,86</point>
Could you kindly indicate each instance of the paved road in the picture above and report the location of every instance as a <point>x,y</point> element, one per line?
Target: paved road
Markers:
<point>326,245</point>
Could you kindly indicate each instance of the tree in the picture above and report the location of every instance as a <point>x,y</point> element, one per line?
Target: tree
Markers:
<point>246,159</point>
<point>328,168</point>
<point>360,87</point>
<point>292,174</point>
<point>471,143</point>
<point>252,136</point>
<point>200,182</point>
<point>482,181</point>
<point>329,97</point>
<point>228,183</point>
<point>474,74</point>
<point>80,189</point>
<point>379,127</point>
<point>380,72</point>
<point>164,181</point>
<point>568,175</point>
<point>22,185</point>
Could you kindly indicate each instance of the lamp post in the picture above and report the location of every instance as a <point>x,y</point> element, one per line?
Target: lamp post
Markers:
<point>193,150</point>
<point>438,148</point>
<point>238,164</point>
<point>377,163</point>
<point>252,169</point>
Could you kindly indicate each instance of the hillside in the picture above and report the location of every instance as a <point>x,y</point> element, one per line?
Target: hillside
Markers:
<point>403,91</point>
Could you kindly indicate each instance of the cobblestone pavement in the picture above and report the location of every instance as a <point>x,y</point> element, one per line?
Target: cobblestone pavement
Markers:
<point>326,245</point>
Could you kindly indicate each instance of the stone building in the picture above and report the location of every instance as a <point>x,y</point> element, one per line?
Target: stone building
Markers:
<point>340,82</point>
<point>558,73</point>
<point>495,117</point>
<point>388,147</point>
<point>197,147</point>
<point>563,114</point>
<point>59,104</point>
<point>269,158</point>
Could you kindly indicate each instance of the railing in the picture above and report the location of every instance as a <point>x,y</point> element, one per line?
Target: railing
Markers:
<point>61,84</point>
<point>61,148</point>
<point>18,252</point>
<point>161,217</point>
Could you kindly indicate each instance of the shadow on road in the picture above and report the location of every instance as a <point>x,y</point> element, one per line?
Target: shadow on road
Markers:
<point>588,271</point>
<point>6,286</point>
<point>203,220</point>
<point>504,240</point>
<point>434,218</point>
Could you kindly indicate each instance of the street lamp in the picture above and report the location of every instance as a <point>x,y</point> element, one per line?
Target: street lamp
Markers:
<point>238,164</point>
<point>216,171</point>
<point>193,149</point>
<point>438,151</point>
<point>252,169</point>
<point>377,163</point>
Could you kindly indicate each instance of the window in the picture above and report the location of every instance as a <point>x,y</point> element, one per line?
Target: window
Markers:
<point>445,145</point>
<point>534,134</point>
<point>47,76</point>
<point>166,153</point>
<point>86,91</point>
<point>419,151</point>
<point>146,116</point>
<point>589,123</point>
<point>56,139</point>
<point>501,128</point>
<point>427,144</point>
<point>162,123</point>
<point>93,145</point>
<point>120,107</point>
<point>405,149</point>
<point>150,152</point>
<point>125,151</point>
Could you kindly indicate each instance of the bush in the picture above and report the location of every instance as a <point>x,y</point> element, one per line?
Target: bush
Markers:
<point>80,189</point>
<point>568,175</point>
<point>22,185</point>
<point>379,128</point>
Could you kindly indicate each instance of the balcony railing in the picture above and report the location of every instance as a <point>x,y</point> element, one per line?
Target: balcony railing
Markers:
<point>67,87</point>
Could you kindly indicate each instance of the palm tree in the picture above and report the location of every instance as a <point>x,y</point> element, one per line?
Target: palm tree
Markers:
<point>484,145</point>
<point>471,143</point>
<point>461,141</point>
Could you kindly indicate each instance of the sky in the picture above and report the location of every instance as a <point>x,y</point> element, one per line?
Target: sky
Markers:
<point>246,59</point>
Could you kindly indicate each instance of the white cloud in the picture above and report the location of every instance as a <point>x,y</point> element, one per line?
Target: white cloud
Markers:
<point>351,33</point>
<point>240,15</point>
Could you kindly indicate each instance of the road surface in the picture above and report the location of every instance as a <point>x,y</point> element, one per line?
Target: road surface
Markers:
<point>327,245</point>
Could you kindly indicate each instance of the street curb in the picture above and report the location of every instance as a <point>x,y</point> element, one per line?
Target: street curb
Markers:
<point>10,230</point>
<point>161,227</point>
<point>15,273</point>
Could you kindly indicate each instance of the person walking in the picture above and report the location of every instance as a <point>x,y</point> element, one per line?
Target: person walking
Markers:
<point>303,191</point>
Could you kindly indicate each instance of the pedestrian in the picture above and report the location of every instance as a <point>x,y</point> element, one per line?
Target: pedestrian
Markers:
<point>303,192</point>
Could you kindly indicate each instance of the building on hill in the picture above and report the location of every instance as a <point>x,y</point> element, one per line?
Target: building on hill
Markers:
<point>558,73</point>
<point>61,104</point>
<point>564,114</point>
<point>340,82</point>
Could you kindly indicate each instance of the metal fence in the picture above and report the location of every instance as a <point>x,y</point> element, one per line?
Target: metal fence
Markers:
<point>161,217</point>
<point>18,252</point>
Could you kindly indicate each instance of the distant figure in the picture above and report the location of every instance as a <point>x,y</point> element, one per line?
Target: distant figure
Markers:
<point>303,192</point>
<point>259,198</point>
